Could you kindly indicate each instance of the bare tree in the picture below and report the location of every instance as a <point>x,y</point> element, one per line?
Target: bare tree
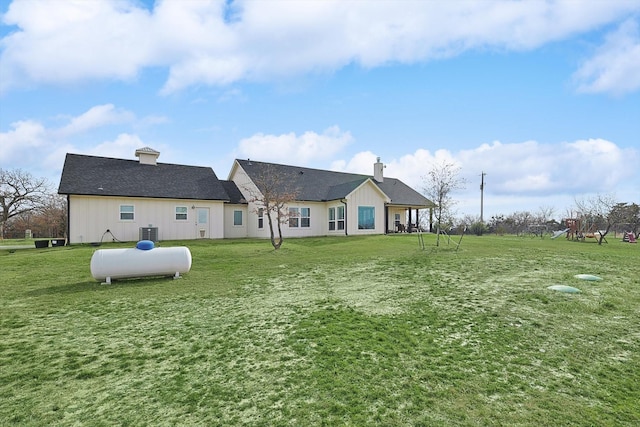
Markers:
<point>602,210</point>
<point>52,216</point>
<point>275,190</point>
<point>20,193</point>
<point>439,184</point>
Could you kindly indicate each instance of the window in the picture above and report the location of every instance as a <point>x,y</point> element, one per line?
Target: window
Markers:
<point>126,213</point>
<point>340,217</point>
<point>305,217</point>
<point>294,221</point>
<point>237,217</point>
<point>261,218</point>
<point>181,213</point>
<point>332,219</point>
<point>366,218</point>
<point>336,218</point>
<point>299,217</point>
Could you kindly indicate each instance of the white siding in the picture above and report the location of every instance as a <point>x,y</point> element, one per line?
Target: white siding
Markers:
<point>91,216</point>
<point>335,204</point>
<point>365,195</point>
<point>368,194</point>
<point>391,225</point>
<point>235,231</point>
<point>318,223</point>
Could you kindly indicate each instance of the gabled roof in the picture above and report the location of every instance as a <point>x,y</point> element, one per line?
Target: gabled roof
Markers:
<point>324,185</point>
<point>103,176</point>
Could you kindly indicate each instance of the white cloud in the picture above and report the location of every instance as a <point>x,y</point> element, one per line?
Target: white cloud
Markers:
<point>24,140</point>
<point>520,176</point>
<point>33,145</point>
<point>123,147</point>
<point>100,115</point>
<point>615,67</point>
<point>65,42</point>
<point>303,148</point>
<point>532,168</point>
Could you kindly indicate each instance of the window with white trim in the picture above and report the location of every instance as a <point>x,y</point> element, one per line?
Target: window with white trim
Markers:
<point>181,213</point>
<point>127,213</point>
<point>299,217</point>
<point>340,216</point>
<point>336,218</point>
<point>260,217</point>
<point>332,219</point>
<point>237,218</point>
<point>366,217</point>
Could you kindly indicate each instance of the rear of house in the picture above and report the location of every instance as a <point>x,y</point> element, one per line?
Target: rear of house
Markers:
<point>327,202</point>
<point>128,200</point>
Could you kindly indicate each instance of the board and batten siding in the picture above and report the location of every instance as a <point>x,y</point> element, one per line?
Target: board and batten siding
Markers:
<point>91,216</point>
<point>368,194</point>
<point>232,230</point>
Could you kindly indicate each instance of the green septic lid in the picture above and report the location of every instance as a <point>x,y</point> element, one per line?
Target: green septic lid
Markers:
<point>589,277</point>
<point>564,288</point>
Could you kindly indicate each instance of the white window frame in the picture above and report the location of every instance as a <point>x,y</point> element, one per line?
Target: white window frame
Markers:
<point>180,212</point>
<point>125,212</point>
<point>299,217</point>
<point>235,218</point>
<point>332,218</point>
<point>367,225</point>
<point>340,217</point>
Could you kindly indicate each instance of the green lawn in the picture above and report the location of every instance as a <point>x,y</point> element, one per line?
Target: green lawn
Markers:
<point>327,331</point>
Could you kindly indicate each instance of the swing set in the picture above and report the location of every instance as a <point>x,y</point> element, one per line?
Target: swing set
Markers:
<point>440,231</point>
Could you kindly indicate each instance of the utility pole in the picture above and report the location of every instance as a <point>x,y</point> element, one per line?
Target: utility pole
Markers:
<point>482,196</point>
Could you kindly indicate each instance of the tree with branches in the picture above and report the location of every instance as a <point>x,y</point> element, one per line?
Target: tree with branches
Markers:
<point>439,184</point>
<point>20,192</point>
<point>274,191</point>
<point>602,210</point>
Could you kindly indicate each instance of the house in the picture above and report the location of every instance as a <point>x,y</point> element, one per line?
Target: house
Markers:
<point>130,200</point>
<point>330,203</point>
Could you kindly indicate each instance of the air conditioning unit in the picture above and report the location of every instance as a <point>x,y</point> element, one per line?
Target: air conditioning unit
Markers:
<point>149,233</point>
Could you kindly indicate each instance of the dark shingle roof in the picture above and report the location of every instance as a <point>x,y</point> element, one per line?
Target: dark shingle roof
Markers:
<point>91,175</point>
<point>323,185</point>
<point>235,195</point>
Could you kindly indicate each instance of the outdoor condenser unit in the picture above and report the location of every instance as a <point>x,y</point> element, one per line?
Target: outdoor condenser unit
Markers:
<point>149,233</point>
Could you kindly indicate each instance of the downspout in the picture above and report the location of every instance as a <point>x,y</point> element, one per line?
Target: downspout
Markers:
<point>68,219</point>
<point>344,202</point>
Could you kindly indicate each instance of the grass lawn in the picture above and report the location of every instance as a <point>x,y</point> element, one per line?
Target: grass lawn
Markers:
<point>327,331</point>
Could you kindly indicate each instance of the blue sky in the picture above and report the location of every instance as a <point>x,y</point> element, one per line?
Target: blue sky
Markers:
<point>543,96</point>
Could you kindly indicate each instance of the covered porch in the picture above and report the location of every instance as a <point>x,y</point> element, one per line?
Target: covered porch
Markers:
<point>406,218</point>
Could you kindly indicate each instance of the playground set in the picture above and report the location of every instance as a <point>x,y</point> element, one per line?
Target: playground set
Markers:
<point>581,229</point>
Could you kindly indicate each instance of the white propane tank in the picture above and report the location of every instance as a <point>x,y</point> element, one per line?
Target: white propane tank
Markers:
<point>107,264</point>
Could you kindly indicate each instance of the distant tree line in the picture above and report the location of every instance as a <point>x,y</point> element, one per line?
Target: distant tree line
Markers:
<point>602,214</point>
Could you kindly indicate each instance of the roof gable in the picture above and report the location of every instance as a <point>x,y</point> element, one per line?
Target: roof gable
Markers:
<point>92,175</point>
